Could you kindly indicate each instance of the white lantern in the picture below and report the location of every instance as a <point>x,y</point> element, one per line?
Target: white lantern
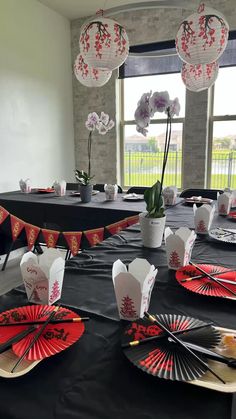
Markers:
<point>199,77</point>
<point>202,37</point>
<point>104,43</point>
<point>89,76</point>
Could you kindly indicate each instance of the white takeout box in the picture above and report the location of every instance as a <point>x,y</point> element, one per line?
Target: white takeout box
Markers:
<point>60,187</point>
<point>133,287</point>
<point>43,276</point>
<point>179,246</point>
<point>170,195</point>
<point>25,185</point>
<point>203,217</point>
<point>224,201</point>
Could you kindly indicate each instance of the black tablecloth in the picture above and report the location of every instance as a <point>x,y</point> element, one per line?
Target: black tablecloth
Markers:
<point>93,379</point>
<point>68,212</point>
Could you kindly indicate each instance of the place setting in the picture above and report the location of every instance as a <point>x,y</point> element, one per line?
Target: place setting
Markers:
<point>133,197</point>
<point>32,333</point>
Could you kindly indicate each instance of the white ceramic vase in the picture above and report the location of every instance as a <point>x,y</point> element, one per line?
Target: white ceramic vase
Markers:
<point>152,230</point>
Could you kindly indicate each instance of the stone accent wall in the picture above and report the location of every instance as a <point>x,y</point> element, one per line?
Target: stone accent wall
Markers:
<point>142,26</point>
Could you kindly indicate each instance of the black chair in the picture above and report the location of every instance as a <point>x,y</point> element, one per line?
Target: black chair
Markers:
<point>138,189</point>
<point>72,186</point>
<point>100,187</point>
<point>205,193</point>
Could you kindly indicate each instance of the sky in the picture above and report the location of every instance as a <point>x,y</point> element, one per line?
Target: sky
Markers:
<point>224,97</point>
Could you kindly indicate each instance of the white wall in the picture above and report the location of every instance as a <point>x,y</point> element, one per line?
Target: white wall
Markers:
<point>36,115</point>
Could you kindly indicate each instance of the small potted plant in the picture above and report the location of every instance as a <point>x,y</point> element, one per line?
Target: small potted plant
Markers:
<point>152,221</point>
<point>102,124</point>
<point>86,187</point>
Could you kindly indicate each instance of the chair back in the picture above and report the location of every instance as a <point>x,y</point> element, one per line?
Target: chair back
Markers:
<point>100,187</point>
<point>205,193</point>
<point>72,186</point>
<point>137,189</point>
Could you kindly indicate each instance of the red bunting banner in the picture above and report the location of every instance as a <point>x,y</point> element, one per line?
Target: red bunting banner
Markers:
<point>134,219</point>
<point>94,236</point>
<point>73,239</point>
<point>17,226</point>
<point>3,214</point>
<point>50,237</point>
<point>117,227</point>
<point>32,233</point>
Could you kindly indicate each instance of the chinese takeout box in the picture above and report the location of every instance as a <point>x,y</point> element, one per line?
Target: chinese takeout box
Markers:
<point>60,187</point>
<point>224,201</point>
<point>170,195</point>
<point>25,185</point>
<point>179,246</point>
<point>43,276</point>
<point>133,287</point>
<point>203,217</point>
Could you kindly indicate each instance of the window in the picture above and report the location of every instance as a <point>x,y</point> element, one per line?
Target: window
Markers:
<point>223,131</point>
<point>142,156</point>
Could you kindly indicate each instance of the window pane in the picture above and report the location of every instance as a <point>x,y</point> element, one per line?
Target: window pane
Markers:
<point>134,87</point>
<point>224,97</point>
<point>223,167</point>
<point>143,155</point>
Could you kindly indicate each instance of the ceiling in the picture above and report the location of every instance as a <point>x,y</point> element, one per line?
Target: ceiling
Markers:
<point>73,9</point>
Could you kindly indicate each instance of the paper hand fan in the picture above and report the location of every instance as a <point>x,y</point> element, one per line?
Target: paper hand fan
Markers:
<point>55,338</point>
<point>164,358</point>
<point>204,285</point>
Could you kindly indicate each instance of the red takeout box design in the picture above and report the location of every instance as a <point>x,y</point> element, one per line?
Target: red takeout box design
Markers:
<point>43,276</point>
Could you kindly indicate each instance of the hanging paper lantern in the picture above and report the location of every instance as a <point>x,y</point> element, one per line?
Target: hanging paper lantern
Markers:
<point>199,77</point>
<point>89,76</point>
<point>202,37</point>
<point>104,43</point>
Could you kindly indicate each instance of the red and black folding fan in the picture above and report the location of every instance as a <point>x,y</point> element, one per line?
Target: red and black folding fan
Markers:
<point>55,338</point>
<point>193,280</point>
<point>164,358</point>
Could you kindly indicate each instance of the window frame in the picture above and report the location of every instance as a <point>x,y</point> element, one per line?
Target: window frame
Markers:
<point>124,123</point>
<point>214,118</point>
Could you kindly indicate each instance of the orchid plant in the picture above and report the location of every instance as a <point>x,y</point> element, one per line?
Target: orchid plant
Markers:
<point>102,124</point>
<point>147,106</point>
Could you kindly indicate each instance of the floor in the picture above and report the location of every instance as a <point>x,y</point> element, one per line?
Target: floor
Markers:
<point>11,277</point>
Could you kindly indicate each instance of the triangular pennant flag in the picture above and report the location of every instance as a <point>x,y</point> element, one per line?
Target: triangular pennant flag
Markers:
<point>32,233</point>
<point>17,226</point>
<point>94,236</point>
<point>50,237</point>
<point>3,214</point>
<point>116,227</point>
<point>73,239</point>
<point>134,219</point>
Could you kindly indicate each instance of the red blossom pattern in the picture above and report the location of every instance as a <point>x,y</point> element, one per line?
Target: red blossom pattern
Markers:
<point>103,38</point>
<point>81,67</point>
<point>206,33</point>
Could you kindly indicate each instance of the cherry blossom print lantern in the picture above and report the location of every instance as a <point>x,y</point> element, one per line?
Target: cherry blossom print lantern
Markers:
<point>104,43</point>
<point>89,76</point>
<point>199,77</point>
<point>202,37</point>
